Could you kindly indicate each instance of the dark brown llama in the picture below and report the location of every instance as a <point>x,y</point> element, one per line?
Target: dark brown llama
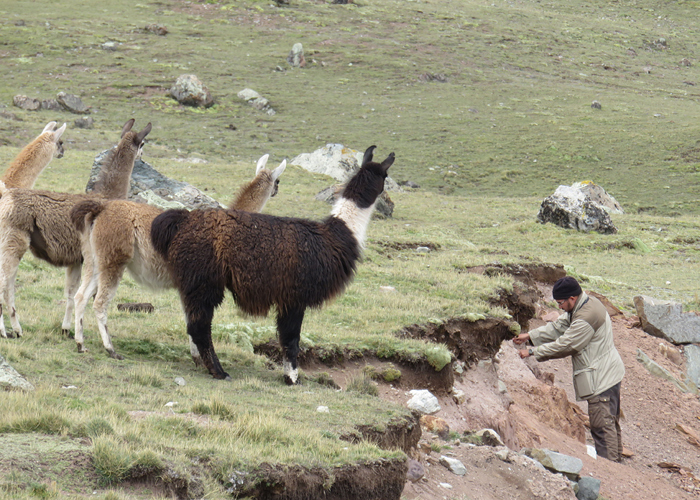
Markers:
<point>266,261</point>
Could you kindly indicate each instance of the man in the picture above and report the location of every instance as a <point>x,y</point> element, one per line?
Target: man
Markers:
<point>584,332</point>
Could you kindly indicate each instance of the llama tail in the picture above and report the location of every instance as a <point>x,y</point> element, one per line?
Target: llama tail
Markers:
<point>83,213</point>
<point>165,227</point>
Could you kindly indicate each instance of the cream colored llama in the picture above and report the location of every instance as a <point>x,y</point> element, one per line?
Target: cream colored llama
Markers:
<point>34,158</point>
<point>40,221</point>
<point>116,236</point>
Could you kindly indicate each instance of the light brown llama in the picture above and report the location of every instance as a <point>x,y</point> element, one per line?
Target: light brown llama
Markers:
<point>116,236</point>
<point>34,158</point>
<point>40,221</point>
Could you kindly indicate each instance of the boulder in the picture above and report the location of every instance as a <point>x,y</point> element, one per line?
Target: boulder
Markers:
<point>27,103</point>
<point>84,122</point>
<point>190,91</point>
<point>296,56</point>
<point>423,401</point>
<point>436,425</point>
<point>416,471</point>
<point>11,380</point>
<point>72,103</point>
<point>600,196</point>
<point>556,462</point>
<point>489,437</point>
<point>571,208</point>
<point>453,465</point>
<point>692,361</point>
<point>257,101</point>
<point>588,488</point>
<point>51,105</point>
<point>666,319</point>
<point>150,186</point>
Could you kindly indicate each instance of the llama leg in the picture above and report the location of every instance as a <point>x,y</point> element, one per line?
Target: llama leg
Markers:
<point>108,282</point>
<point>289,330</point>
<point>72,284</point>
<point>87,289</point>
<point>199,330</point>
<point>12,248</point>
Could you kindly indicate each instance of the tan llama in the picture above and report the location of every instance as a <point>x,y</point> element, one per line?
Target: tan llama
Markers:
<point>116,236</point>
<point>34,158</point>
<point>40,221</point>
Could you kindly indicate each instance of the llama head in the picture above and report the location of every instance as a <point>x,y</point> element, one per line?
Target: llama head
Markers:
<point>368,183</point>
<point>54,135</point>
<point>136,139</point>
<point>274,175</point>
<point>356,203</point>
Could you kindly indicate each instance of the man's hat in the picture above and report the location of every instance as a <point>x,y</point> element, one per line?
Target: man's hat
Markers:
<point>566,287</point>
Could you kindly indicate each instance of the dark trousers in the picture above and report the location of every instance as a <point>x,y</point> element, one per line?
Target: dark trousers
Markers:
<point>604,415</point>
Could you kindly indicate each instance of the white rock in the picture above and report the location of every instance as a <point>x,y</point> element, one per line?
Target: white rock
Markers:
<point>454,465</point>
<point>424,402</point>
<point>323,409</point>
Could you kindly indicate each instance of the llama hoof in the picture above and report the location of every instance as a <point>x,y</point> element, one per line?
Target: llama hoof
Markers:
<point>82,349</point>
<point>197,362</point>
<point>289,381</point>
<point>114,355</point>
<point>221,376</point>
<point>67,333</point>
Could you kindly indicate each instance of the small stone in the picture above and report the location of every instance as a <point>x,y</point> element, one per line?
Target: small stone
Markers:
<point>459,396</point>
<point>490,437</point>
<point>27,103</point>
<point>588,488</point>
<point>453,465</point>
<point>422,249</point>
<point>180,381</point>
<point>158,29</point>
<point>503,454</point>
<point>416,471</point>
<point>84,122</point>
<point>424,402</point>
<point>109,46</point>
<point>190,91</point>
<point>596,105</point>
<point>323,409</point>
<point>296,56</point>
<point>72,103</point>
<point>447,486</point>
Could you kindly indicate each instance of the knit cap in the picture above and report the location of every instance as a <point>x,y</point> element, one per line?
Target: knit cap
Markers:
<point>566,287</point>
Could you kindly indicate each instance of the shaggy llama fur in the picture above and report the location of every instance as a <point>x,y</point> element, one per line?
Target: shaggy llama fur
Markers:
<point>266,261</point>
<point>116,236</point>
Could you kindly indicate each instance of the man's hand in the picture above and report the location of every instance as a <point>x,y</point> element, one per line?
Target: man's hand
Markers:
<point>524,353</point>
<point>521,339</point>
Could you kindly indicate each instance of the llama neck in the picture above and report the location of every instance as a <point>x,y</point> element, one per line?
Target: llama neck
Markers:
<point>356,218</point>
<point>254,196</point>
<point>115,179</point>
<point>29,163</point>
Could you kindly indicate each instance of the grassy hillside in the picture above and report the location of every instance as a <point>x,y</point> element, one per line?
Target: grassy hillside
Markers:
<point>511,122</point>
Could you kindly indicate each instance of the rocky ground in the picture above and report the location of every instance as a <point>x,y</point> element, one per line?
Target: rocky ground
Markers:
<point>532,404</point>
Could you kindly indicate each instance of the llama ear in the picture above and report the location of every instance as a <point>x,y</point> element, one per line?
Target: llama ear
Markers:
<point>278,171</point>
<point>368,155</point>
<point>142,135</point>
<point>59,132</point>
<point>50,127</point>
<point>388,162</point>
<point>261,163</point>
<point>127,126</point>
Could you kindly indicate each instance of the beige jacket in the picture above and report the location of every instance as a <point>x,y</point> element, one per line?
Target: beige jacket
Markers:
<point>586,335</point>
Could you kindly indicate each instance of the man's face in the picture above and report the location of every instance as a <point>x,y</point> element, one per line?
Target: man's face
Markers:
<point>567,304</point>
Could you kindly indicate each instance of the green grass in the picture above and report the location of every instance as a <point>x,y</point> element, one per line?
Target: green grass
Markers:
<point>512,122</point>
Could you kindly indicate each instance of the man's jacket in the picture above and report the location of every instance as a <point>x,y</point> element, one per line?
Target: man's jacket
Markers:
<point>586,335</point>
